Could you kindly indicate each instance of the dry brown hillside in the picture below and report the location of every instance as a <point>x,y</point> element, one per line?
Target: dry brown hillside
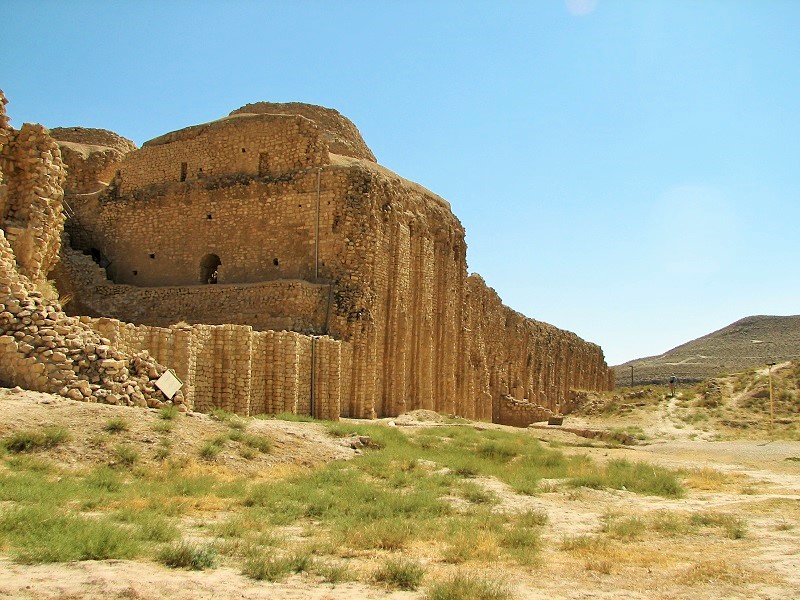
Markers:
<point>746,344</point>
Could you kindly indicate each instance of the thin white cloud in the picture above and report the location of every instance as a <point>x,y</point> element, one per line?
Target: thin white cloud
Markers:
<point>580,8</point>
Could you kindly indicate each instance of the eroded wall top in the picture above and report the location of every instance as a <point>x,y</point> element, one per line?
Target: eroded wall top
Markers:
<point>239,146</point>
<point>339,132</point>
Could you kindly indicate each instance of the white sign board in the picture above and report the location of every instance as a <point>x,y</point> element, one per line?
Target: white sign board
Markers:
<point>169,383</point>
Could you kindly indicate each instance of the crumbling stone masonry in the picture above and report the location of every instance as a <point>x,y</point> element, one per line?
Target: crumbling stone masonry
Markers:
<point>41,348</point>
<point>272,263</point>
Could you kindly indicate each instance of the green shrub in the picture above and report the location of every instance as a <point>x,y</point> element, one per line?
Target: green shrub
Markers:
<point>399,573</point>
<point>183,555</point>
<point>125,455</point>
<point>210,450</point>
<point>168,412</point>
<point>116,425</point>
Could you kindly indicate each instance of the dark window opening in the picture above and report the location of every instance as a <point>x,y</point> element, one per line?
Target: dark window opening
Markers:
<point>263,164</point>
<point>136,272</point>
<point>152,255</point>
<point>275,261</point>
<point>184,170</point>
<point>243,150</point>
<point>208,216</point>
<point>209,268</point>
<point>299,206</point>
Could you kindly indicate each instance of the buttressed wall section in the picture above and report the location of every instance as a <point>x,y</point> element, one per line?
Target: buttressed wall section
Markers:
<point>278,218</point>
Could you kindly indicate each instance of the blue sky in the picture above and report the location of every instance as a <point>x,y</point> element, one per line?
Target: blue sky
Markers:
<point>628,170</point>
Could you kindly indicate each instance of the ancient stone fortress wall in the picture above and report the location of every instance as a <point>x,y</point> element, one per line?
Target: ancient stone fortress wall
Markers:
<point>297,228</point>
<point>247,144</point>
<point>244,371</point>
<point>392,255</point>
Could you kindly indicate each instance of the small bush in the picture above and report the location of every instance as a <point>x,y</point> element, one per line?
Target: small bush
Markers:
<point>163,426</point>
<point>333,573</point>
<point>257,442</point>
<point>116,425</point>
<point>183,555</point>
<point>462,586</point>
<point>210,450</point>
<point>125,455</point>
<point>399,573</point>
<point>168,412</point>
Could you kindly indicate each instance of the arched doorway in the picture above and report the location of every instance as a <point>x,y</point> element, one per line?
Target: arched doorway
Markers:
<point>209,268</point>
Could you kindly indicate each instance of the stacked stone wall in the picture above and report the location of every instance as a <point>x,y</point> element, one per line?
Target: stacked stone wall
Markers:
<point>295,305</point>
<point>258,229</point>
<point>31,208</point>
<point>255,145</point>
<point>240,370</point>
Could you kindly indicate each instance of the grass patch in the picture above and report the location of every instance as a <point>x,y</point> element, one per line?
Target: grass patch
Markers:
<point>642,478</point>
<point>168,412</point>
<point>38,534</point>
<point>116,425</point>
<point>211,449</point>
<point>287,416</point>
<point>163,426</point>
<point>183,555</point>
<point>273,568</point>
<point>464,586</point>
<point>27,441</point>
<point>125,455</point>
<point>401,574</point>
<point>333,572</point>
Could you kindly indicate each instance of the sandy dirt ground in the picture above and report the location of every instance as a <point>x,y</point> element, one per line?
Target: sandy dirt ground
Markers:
<point>761,485</point>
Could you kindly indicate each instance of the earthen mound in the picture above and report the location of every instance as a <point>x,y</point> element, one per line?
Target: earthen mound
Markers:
<point>341,134</point>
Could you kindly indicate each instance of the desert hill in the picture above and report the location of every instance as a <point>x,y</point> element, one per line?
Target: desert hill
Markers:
<point>748,343</point>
